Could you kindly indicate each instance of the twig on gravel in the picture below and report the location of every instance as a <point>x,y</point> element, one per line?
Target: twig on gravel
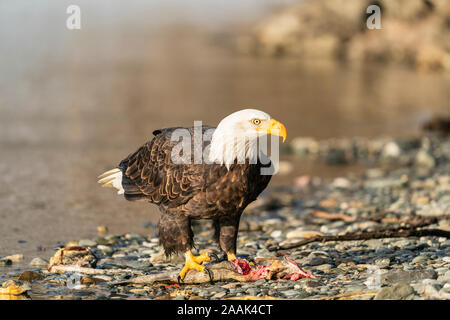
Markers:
<point>84,270</point>
<point>367,235</point>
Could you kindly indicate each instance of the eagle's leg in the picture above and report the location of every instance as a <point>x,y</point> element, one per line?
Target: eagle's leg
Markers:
<point>175,235</point>
<point>226,234</point>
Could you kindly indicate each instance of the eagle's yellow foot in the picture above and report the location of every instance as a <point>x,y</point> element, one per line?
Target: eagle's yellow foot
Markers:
<point>201,258</point>
<point>231,256</point>
<point>194,263</point>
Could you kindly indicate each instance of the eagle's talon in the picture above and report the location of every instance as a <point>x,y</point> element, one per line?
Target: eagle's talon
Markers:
<point>210,274</point>
<point>179,280</point>
<point>214,258</point>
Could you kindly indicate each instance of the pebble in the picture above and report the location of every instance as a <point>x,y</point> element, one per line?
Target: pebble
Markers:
<point>30,276</point>
<point>395,292</point>
<point>420,259</point>
<point>87,243</point>
<point>382,262</point>
<point>290,293</point>
<point>408,276</point>
<point>276,234</point>
<point>38,262</point>
<point>5,262</point>
<point>15,257</point>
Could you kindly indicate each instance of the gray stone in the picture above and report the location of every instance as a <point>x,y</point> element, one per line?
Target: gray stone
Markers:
<point>408,276</point>
<point>424,159</point>
<point>382,262</point>
<point>87,243</point>
<point>290,293</point>
<point>391,150</point>
<point>420,259</point>
<point>38,262</point>
<point>373,243</point>
<point>324,267</point>
<point>445,277</point>
<point>396,292</point>
<point>138,264</point>
<point>219,295</point>
<point>315,261</point>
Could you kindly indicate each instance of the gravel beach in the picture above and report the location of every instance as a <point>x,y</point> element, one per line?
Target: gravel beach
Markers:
<point>408,181</point>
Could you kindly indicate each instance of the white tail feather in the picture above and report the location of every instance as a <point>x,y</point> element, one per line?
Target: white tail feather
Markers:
<point>112,179</point>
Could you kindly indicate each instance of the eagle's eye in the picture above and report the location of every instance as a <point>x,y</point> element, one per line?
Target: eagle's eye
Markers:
<point>256,122</point>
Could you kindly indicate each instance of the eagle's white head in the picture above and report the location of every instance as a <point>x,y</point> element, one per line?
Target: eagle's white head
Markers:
<point>236,136</point>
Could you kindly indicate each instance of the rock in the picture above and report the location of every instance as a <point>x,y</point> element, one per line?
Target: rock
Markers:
<point>408,276</point>
<point>12,288</point>
<point>15,257</point>
<point>138,264</point>
<point>102,229</point>
<point>401,243</point>
<point>424,159</point>
<point>134,236</point>
<point>324,267</point>
<point>342,183</point>
<point>73,256</point>
<point>429,290</point>
<point>315,261</point>
<point>87,243</point>
<point>276,234</point>
<point>445,277</point>
<point>219,295</point>
<point>38,262</point>
<point>87,280</point>
<point>391,150</point>
<point>373,243</point>
<point>72,244</point>
<point>382,262</point>
<point>395,292</point>
<point>383,183</point>
<point>420,259</point>
<point>5,262</point>
<point>30,276</point>
<point>105,249</point>
<point>290,293</point>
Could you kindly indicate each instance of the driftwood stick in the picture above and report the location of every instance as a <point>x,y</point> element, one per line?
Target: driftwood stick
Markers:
<point>378,234</point>
<point>91,271</point>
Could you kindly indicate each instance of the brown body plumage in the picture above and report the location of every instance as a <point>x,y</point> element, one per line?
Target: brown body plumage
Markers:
<point>190,191</point>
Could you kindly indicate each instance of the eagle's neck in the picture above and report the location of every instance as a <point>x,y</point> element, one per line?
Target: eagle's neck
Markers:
<point>226,148</point>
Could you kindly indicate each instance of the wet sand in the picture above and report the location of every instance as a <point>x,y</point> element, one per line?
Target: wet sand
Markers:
<point>73,104</point>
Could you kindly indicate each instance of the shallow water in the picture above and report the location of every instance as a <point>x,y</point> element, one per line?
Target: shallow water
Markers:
<point>74,103</point>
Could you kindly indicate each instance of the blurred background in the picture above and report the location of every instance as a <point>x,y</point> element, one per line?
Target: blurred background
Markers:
<point>73,103</point>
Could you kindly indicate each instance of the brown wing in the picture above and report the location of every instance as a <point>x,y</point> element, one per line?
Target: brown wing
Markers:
<point>150,175</point>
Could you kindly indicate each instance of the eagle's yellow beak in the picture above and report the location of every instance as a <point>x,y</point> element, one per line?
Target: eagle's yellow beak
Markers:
<point>276,128</point>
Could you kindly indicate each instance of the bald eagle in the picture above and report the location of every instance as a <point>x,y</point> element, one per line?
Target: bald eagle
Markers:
<point>218,189</point>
